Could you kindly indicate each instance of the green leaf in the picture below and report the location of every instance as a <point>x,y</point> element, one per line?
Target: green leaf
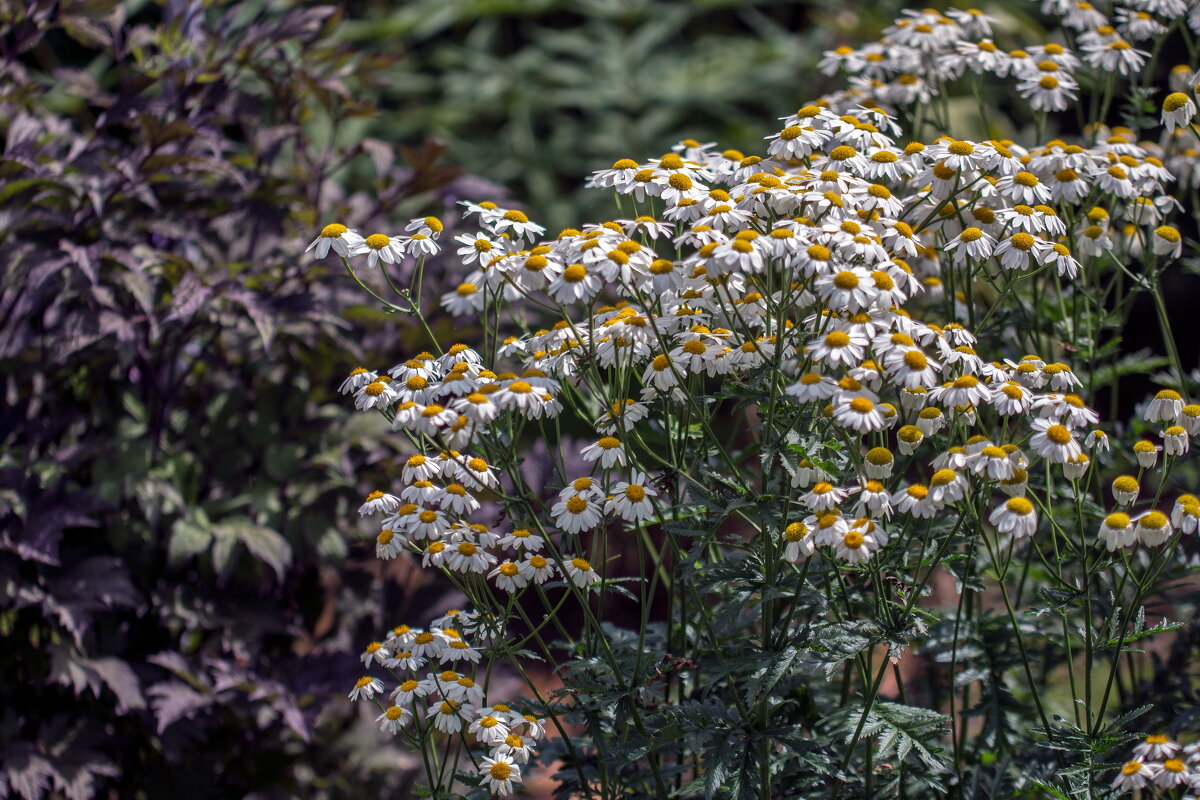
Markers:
<point>188,538</point>
<point>265,544</point>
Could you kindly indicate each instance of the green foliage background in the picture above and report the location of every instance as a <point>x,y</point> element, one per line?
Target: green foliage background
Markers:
<point>536,94</point>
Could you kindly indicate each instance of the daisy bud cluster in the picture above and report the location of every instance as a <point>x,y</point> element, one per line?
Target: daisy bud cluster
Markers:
<point>804,386</point>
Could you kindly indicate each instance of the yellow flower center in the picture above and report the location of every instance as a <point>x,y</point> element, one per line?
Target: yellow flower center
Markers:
<point>861,405</point>
<point>837,339</point>
<point>879,456</point>
<point>337,229</point>
<point>846,280</point>
<point>1019,505</point>
<point>1155,521</point>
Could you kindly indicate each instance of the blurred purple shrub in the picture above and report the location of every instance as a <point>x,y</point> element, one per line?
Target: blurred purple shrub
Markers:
<point>174,504</point>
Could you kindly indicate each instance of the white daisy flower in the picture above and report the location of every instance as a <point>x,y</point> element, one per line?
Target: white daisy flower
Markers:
<point>393,719</point>
<point>489,730</point>
<point>630,500</point>
<point>1155,747</point>
<point>1175,440</point>
<point>377,502</point>
<point>1015,516</point>
<point>366,688</point>
<point>576,514</point>
<point>516,747</point>
<point>518,223</point>
<point>1135,775</point>
<point>580,572</point>
<point>859,414</point>
<point>873,499</point>
<point>916,501</point>
<point>537,568</point>
<point>508,577</point>
<point>1167,241</point>
<point>338,238</point>
<point>464,300</point>
<point>1177,112</point>
<point>389,544</point>
<point>1172,772</point>
<point>608,451</point>
<point>378,248</point>
<point>1053,442</point>
<point>499,774</point>
<point>448,716</point>
<point>856,546</point>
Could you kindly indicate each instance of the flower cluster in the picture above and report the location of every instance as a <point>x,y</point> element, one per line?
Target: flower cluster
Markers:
<point>448,701</point>
<point>832,292</point>
<point>1162,763</point>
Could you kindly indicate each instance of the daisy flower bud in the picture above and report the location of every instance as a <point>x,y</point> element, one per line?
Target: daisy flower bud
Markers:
<point>1117,531</point>
<point>878,463</point>
<point>1179,510</point>
<point>1146,453</point>
<point>1175,440</point>
<point>1153,528</point>
<point>1189,418</point>
<point>1177,111</point>
<point>908,438</point>
<point>931,420</point>
<point>1077,467</point>
<point>1167,241</point>
<point>1125,489</point>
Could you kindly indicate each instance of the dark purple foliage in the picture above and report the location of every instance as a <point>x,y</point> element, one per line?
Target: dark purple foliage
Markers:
<point>180,594</point>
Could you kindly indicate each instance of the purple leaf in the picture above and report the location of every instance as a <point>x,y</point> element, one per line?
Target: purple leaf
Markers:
<point>25,770</point>
<point>173,701</point>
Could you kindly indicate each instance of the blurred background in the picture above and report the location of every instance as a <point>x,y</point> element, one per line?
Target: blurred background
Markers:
<point>184,584</point>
